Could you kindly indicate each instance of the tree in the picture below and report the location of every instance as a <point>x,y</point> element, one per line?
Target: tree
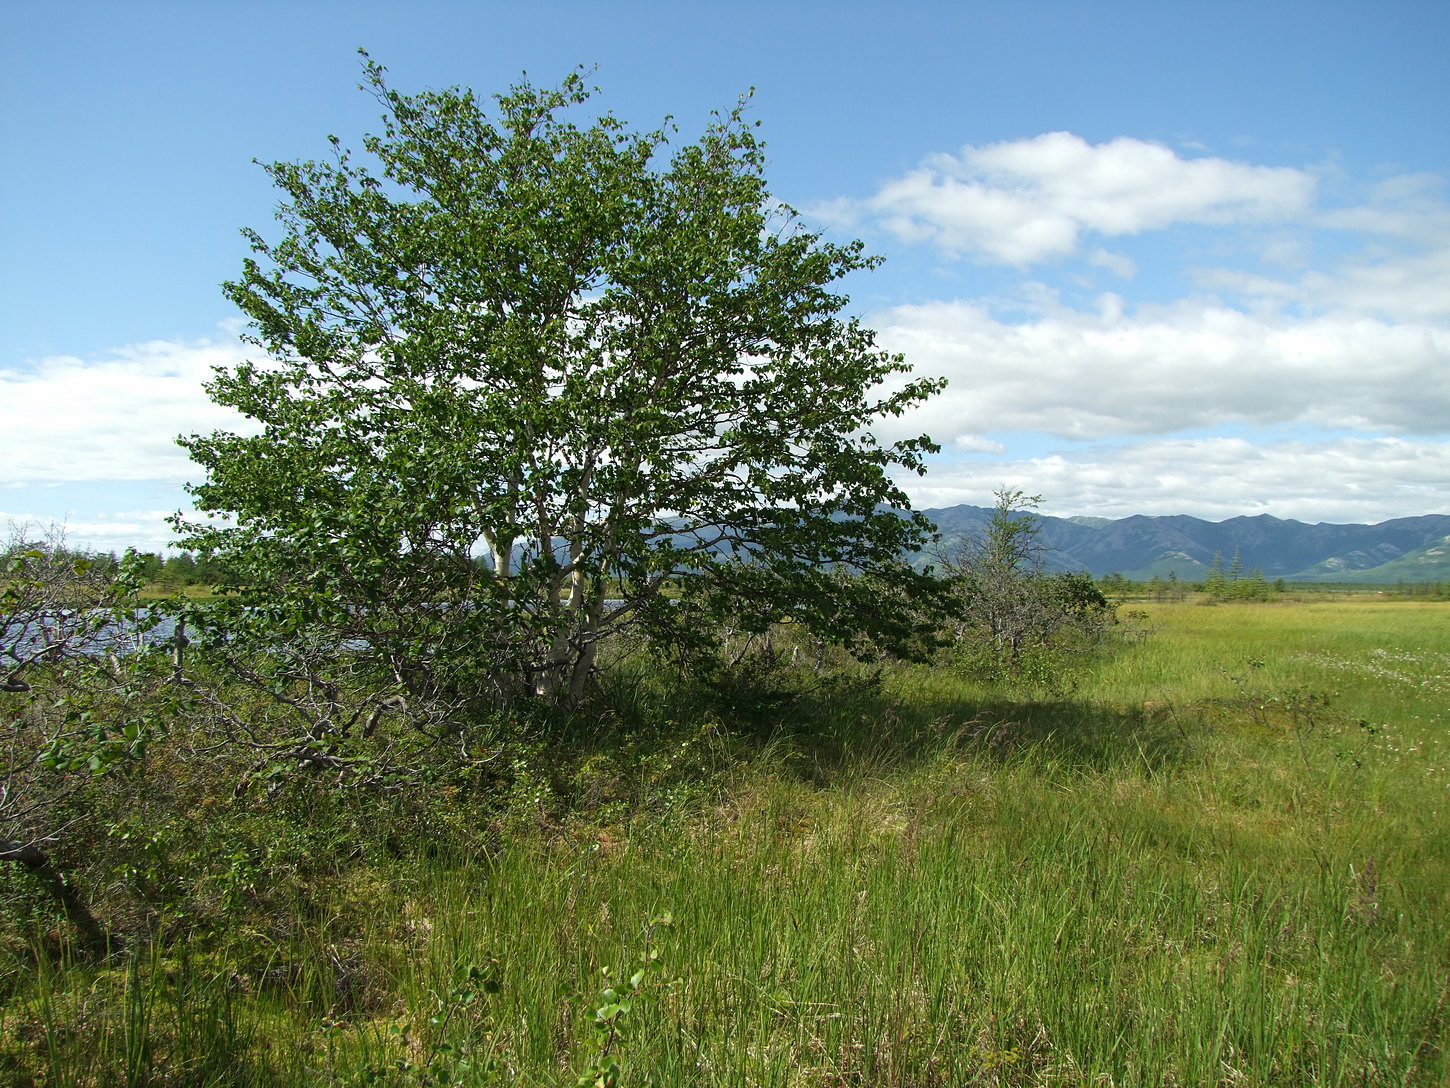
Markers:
<point>1254,587</point>
<point>1234,585</point>
<point>1116,583</point>
<point>74,700</point>
<point>180,568</point>
<point>1235,574</point>
<point>149,566</point>
<point>601,368</point>
<point>1216,585</point>
<point>1007,609</point>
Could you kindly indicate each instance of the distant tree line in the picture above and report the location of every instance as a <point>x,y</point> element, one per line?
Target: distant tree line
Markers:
<point>1232,583</point>
<point>199,568</point>
<point>1423,591</point>
<point>182,568</point>
<point>1235,583</point>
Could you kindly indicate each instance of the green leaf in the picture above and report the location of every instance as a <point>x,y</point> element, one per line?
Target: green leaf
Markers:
<point>495,396</point>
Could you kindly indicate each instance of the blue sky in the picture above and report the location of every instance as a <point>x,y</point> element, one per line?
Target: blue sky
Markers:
<point>1173,258</point>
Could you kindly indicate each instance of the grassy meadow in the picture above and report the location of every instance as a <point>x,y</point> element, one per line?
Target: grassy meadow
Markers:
<point>1219,855</point>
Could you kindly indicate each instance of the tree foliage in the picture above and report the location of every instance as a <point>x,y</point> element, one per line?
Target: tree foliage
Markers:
<point>608,363</point>
<point>1234,585</point>
<point>1011,618</point>
<point>76,700</point>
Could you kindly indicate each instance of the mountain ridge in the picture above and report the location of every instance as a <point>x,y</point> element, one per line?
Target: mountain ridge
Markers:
<point>1412,549</point>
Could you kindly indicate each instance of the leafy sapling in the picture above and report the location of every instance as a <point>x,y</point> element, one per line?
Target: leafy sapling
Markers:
<point>617,1001</point>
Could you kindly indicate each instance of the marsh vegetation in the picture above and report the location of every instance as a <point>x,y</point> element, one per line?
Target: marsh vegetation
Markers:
<point>1217,855</point>
<point>568,708</point>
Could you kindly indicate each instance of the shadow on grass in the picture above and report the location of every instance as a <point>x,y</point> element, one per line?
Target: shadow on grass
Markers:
<point>1061,734</point>
<point>833,728</point>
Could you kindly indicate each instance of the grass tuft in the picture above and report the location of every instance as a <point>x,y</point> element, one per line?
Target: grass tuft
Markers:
<point>1218,859</point>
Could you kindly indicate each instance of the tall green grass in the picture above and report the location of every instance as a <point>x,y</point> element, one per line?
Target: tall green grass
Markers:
<point>1390,659</point>
<point>1219,858</point>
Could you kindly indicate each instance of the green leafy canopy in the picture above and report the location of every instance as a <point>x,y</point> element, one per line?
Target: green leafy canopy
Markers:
<point>600,361</point>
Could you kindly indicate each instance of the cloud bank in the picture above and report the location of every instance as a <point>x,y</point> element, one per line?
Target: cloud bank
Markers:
<point>114,418</point>
<point>1343,480</point>
<point>1193,365</point>
<point>1299,364</point>
<point>1303,370</point>
<point>1025,201</point>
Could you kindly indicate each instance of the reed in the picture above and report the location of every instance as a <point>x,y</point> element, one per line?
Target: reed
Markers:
<point>1217,859</point>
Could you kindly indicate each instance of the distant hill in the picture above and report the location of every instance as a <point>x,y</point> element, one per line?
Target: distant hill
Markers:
<point>1409,549</point>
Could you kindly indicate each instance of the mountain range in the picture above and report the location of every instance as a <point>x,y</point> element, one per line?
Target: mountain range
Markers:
<point>1405,549</point>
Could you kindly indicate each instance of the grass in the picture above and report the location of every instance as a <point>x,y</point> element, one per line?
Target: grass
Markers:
<point>156,591</point>
<point>1218,859</point>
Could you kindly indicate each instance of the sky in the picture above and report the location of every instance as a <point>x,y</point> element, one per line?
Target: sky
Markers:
<point>1187,258</point>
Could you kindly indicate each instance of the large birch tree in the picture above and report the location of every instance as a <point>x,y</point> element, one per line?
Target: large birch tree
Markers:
<point>522,374</point>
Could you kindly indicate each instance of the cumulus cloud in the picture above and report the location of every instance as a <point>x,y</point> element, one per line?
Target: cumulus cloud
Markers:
<point>1398,286</point>
<point>1407,206</point>
<point>144,530</point>
<point>1191,365</point>
<point>1023,201</point>
<point>115,417</point>
<point>1346,479</point>
<point>1354,349</point>
<point>1113,262</point>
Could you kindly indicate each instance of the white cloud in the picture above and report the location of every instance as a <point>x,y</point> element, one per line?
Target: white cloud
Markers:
<point>144,530</point>
<point>1406,206</point>
<point>1030,200</point>
<point>1398,286</point>
<point>976,443</point>
<point>1191,365</point>
<point>112,418</point>
<point>1339,480</point>
<point>1114,262</point>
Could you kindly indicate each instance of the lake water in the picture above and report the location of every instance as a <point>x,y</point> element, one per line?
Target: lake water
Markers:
<point>20,642</point>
